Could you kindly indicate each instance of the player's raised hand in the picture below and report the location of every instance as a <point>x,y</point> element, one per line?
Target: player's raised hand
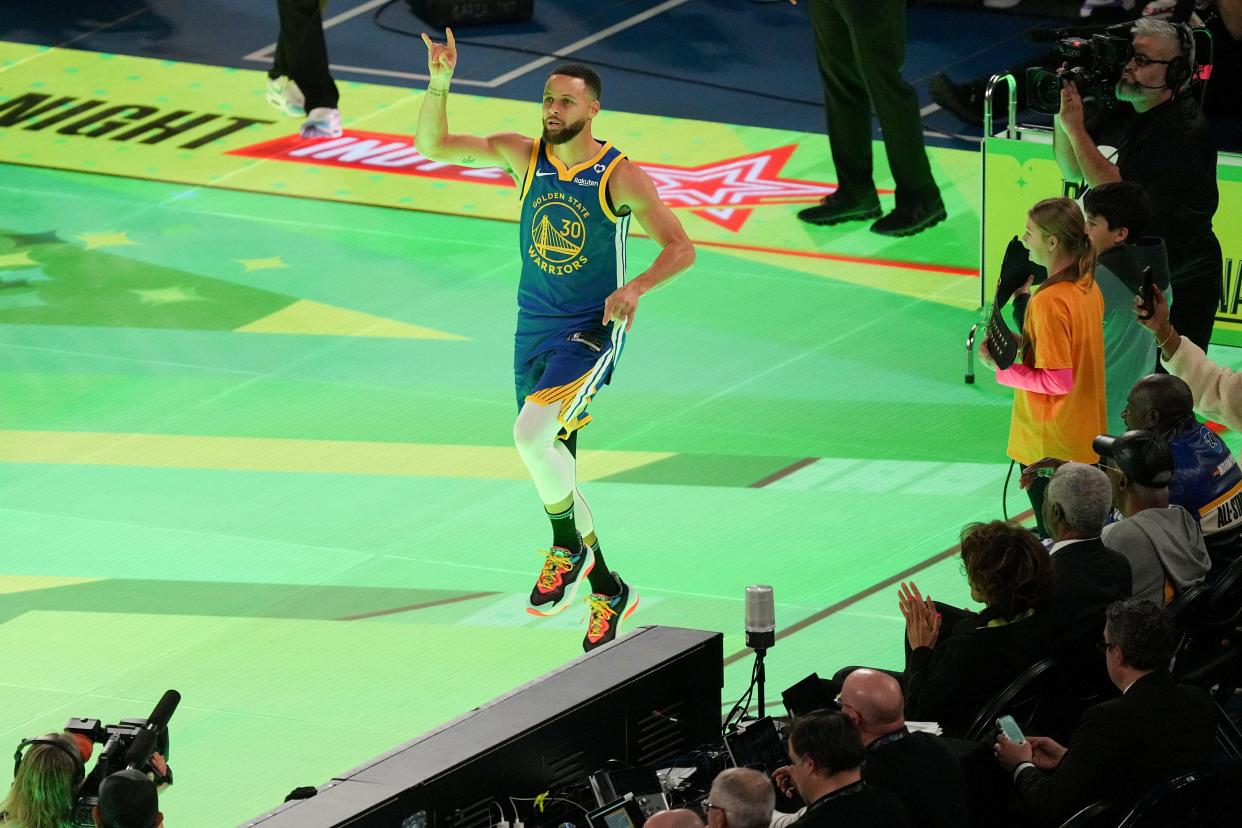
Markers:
<point>441,57</point>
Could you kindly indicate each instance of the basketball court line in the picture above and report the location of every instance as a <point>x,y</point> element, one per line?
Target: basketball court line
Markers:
<point>833,609</point>
<point>151,5</point>
<point>155,450</point>
<point>180,530</point>
<point>785,472</point>
<point>491,401</point>
<point>98,197</point>
<point>681,413</point>
<point>264,55</point>
<point>439,602</point>
<point>313,355</point>
<point>775,251</point>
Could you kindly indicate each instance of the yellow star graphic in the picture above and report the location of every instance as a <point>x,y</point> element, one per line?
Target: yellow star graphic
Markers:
<point>270,263</point>
<point>17,260</point>
<point>167,296</point>
<point>113,239</point>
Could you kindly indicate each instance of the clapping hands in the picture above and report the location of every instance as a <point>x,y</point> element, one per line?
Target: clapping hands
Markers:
<point>922,618</point>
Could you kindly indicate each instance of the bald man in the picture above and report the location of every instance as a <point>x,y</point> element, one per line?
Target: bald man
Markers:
<point>680,818</point>
<point>918,767</point>
<point>1206,479</point>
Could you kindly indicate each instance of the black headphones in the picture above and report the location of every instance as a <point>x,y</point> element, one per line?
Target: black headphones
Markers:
<point>79,769</point>
<point>1181,68</point>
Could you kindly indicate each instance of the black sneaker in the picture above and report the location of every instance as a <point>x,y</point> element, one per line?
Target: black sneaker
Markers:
<point>964,101</point>
<point>606,614</point>
<point>558,581</point>
<point>836,208</point>
<point>906,221</point>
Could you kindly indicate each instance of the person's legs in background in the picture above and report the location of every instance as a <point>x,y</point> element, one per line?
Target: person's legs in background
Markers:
<point>879,31</point>
<point>302,54</point>
<point>848,109</point>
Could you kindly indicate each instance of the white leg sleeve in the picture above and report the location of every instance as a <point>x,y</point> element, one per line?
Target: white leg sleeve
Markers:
<point>583,519</point>
<point>550,466</point>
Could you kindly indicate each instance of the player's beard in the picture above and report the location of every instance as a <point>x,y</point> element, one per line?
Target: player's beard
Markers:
<point>565,134</point>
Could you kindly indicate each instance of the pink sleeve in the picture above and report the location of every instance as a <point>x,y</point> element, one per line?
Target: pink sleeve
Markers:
<point>1055,381</point>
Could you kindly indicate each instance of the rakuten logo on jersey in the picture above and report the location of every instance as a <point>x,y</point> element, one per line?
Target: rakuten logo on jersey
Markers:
<point>371,151</point>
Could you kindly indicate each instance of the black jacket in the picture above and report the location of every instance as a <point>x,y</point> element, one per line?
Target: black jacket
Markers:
<point>1088,577</point>
<point>861,805</point>
<point>951,683</point>
<point>1169,151</point>
<point>1122,748</point>
<point>924,774</point>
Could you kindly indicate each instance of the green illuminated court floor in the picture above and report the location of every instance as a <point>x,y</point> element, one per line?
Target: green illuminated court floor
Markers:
<point>257,449</point>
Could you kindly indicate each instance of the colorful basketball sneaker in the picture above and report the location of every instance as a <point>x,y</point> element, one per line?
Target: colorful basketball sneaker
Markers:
<point>558,582</point>
<point>606,614</point>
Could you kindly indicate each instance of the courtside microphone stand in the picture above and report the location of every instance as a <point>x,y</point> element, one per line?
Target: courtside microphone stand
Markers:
<point>760,630</point>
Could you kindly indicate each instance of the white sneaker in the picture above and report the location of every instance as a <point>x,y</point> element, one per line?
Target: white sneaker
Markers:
<point>283,93</point>
<point>322,122</point>
<point>1159,9</point>
<point>1089,7</point>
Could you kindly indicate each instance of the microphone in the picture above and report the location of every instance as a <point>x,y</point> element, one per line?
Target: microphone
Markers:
<point>760,617</point>
<point>140,749</point>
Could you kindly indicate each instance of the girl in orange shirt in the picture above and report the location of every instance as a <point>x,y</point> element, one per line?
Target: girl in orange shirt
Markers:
<point>1058,380</point>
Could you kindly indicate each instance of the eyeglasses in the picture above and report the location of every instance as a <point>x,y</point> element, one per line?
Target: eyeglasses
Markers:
<point>1104,467</point>
<point>1104,646</point>
<point>1141,60</point>
<point>707,806</point>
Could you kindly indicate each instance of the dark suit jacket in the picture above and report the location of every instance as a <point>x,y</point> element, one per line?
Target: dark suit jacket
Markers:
<point>1124,747</point>
<point>861,805</point>
<point>1089,577</point>
<point>952,682</point>
<point>924,774</point>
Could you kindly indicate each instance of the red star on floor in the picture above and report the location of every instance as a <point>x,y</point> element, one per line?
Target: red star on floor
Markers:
<point>727,191</point>
<point>723,192</point>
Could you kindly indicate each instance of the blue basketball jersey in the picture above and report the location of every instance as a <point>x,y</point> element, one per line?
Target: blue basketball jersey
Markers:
<point>572,243</point>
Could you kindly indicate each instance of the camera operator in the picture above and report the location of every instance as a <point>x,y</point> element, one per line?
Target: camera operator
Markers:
<point>1163,143</point>
<point>128,799</point>
<point>45,784</point>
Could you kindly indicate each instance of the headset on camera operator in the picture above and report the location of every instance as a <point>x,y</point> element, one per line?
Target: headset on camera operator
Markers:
<point>46,780</point>
<point>1162,142</point>
<point>51,788</point>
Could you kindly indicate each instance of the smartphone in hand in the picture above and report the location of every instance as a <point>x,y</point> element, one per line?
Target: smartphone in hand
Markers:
<point>1011,730</point>
<point>1148,294</point>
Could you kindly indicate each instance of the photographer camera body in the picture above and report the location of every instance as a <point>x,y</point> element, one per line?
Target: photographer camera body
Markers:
<point>1156,136</point>
<point>51,788</point>
<point>1093,64</point>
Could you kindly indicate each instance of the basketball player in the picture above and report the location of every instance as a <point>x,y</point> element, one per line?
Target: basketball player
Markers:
<point>575,305</point>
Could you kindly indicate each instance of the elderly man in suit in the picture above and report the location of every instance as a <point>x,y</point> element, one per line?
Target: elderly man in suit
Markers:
<point>1157,730</point>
